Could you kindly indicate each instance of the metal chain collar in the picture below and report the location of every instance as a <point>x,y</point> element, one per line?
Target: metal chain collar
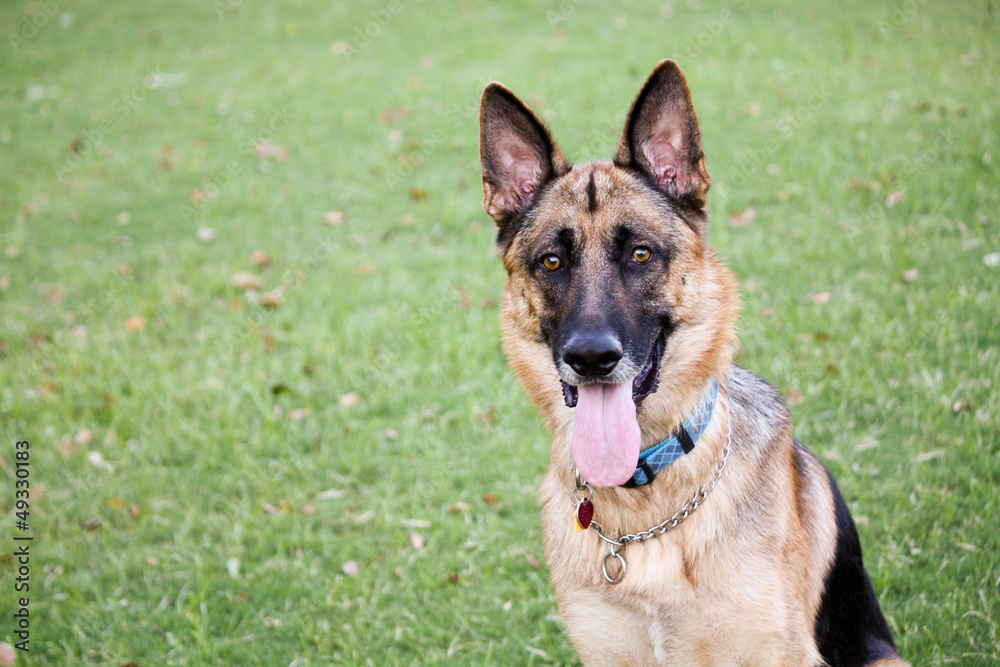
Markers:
<point>661,528</point>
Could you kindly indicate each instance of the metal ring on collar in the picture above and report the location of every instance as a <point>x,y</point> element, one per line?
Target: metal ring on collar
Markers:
<point>604,567</point>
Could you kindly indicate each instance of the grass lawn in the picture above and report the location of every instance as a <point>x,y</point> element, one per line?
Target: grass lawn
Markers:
<point>249,322</point>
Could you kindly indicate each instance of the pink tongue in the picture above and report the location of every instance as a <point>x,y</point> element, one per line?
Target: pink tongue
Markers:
<point>606,439</point>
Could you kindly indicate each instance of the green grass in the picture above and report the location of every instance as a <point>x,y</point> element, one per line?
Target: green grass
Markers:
<point>216,543</point>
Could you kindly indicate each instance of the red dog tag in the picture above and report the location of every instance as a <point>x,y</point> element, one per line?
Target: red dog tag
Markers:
<point>584,514</point>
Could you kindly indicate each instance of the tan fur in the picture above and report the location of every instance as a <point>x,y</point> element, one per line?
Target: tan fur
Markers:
<point>741,581</point>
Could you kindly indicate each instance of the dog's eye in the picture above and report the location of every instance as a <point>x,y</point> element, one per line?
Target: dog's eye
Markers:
<point>641,254</point>
<point>551,262</point>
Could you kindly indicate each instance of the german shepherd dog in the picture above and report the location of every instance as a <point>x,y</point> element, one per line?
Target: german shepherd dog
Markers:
<point>683,523</point>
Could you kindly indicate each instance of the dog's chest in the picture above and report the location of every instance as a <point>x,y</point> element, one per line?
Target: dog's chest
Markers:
<point>675,605</point>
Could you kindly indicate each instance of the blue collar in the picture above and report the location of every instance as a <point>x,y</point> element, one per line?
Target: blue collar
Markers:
<point>658,457</point>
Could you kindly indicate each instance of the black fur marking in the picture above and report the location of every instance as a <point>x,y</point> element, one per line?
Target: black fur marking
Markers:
<point>591,195</point>
<point>623,236</point>
<point>567,239</point>
<point>850,628</point>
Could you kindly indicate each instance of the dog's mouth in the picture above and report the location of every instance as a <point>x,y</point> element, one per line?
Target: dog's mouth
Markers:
<point>645,383</point>
<point>606,439</point>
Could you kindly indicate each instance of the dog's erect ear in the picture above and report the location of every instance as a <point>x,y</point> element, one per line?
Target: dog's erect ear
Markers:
<point>662,138</point>
<point>517,153</point>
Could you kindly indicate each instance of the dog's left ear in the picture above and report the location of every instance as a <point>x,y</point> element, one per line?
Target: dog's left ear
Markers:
<point>662,138</point>
<point>518,156</point>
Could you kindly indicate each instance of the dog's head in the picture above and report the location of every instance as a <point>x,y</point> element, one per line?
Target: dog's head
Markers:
<point>607,263</point>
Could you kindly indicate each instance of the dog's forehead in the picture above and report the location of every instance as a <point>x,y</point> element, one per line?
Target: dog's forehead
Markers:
<point>596,198</point>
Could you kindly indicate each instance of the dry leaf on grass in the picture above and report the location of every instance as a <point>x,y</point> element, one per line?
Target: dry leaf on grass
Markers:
<point>458,507</point>
<point>333,218</point>
<point>267,150</point>
<point>260,258</point>
<point>205,234</point>
<point>794,397</point>
<point>7,654</point>
<point>54,294</point>
<point>245,280</point>
<point>135,324</point>
<point>464,300</point>
<point>491,498</point>
<point>740,218</point>
<point>910,275</point>
<point>98,461</point>
<point>298,414</point>
<point>364,517</point>
<point>821,298</point>
<point>349,400</point>
<point>273,299</point>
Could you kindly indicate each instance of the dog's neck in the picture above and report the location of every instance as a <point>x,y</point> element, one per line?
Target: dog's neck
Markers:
<point>654,459</point>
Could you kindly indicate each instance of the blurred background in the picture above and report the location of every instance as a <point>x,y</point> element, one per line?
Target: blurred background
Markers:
<point>249,309</point>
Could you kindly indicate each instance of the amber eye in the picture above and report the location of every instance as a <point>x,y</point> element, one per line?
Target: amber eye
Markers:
<point>551,262</point>
<point>642,254</point>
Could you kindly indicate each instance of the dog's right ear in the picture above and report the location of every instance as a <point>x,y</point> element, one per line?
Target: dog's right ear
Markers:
<point>518,156</point>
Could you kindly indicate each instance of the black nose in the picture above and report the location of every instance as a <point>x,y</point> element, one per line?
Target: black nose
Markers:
<point>593,354</point>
